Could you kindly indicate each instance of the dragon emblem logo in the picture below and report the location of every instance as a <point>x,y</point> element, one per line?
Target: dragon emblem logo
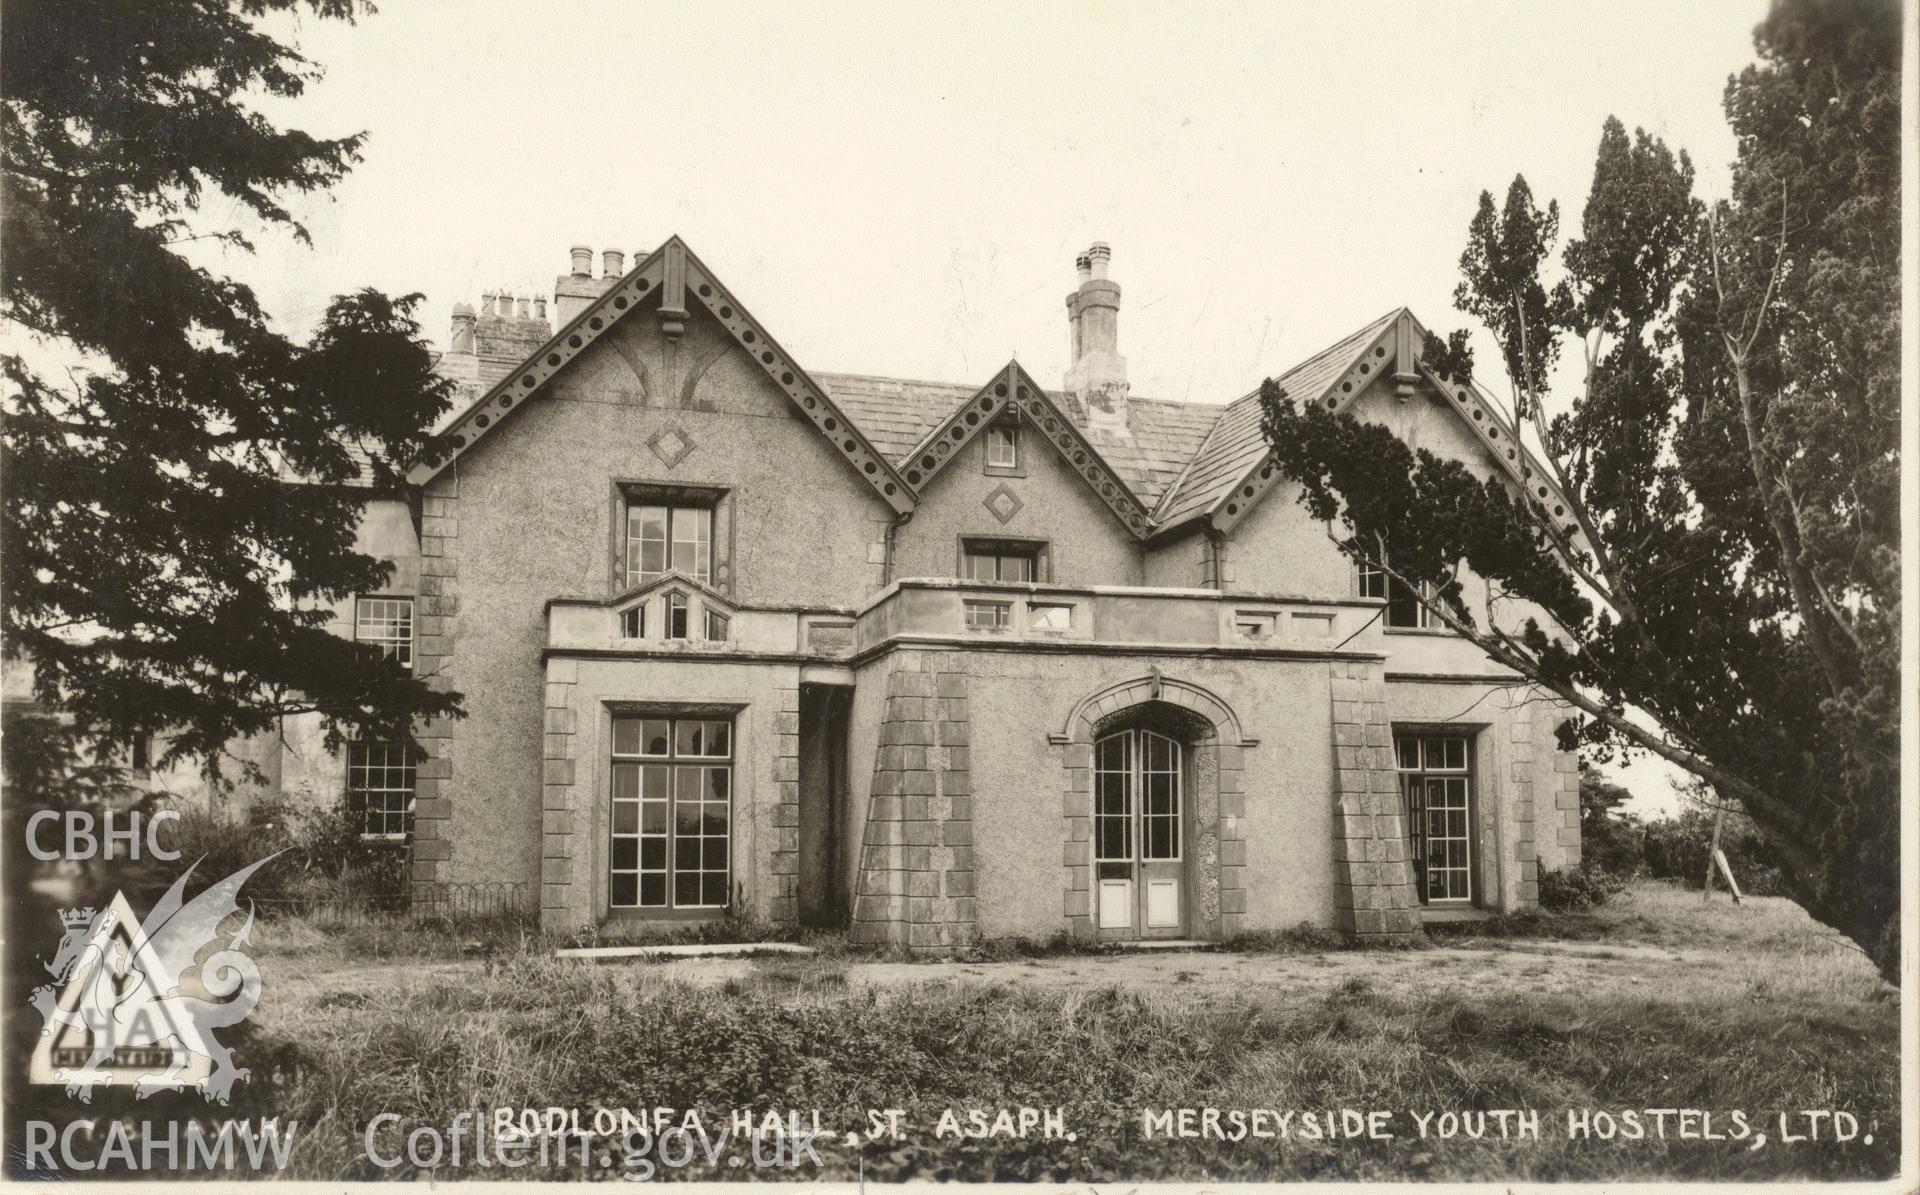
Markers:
<point>140,1000</point>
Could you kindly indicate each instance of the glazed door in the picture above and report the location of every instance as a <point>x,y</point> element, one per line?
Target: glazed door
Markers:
<point>1140,881</point>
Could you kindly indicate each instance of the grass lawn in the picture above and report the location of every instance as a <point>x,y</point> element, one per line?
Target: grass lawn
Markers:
<point>1654,1002</point>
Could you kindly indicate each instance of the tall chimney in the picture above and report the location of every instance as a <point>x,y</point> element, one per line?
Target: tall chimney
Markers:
<point>1098,375</point>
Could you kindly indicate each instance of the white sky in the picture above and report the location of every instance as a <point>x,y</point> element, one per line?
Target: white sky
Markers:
<point>901,189</point>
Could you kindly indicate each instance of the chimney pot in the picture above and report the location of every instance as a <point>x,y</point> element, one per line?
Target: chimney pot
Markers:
<point>612,263</point>
<point>462,339</point>
<point>540,308</point>
<point>486,302</point>
<point>1098,256</point>
<point>1083,266</point>
<point>525,308</point>
<point>582,261</point>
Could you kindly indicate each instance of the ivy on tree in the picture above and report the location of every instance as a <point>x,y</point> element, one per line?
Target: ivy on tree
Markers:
<point>1730,570</point>
<point>179,513</point>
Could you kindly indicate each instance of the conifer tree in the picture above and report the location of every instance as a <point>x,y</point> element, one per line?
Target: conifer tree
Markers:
<point>181,492</point>
<point>1725,590</point>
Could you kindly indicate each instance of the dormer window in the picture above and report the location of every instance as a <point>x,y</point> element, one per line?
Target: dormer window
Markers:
<point>633,623</point>
<point>717,624</point>
<point>676,615</point>
<point>662,536</point>
<point>1003,446</point>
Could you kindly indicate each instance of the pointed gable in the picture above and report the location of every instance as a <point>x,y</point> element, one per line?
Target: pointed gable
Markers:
<point>1012,390</point>
<point>1232,471</point>
<point>1230,460</point>
<point>663,284</point>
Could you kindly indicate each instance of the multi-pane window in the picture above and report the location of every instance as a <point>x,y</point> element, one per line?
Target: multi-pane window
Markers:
<point>662,537</point>
<point>985,560</point>
<point>717,625</point>
<point>380,789</point>
<point>386,622</point>
<point>676,606</point>
<point>1003,447</point>
<point>1136,768</point>
<point>987,615</point>
<point>1436,795</point>
<point>1403,609</point>
<point>633,623</point>
<point>1112,800</point>
<point>672,790</point>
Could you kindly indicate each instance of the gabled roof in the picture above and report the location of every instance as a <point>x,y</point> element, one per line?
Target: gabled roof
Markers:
<point>664,282</point>
<point>1235,446</point>
<point>1012,390</point>
<point>895,413</point>
<point>899,414</point>
<point>673,578</point>
<point>1174,462</point>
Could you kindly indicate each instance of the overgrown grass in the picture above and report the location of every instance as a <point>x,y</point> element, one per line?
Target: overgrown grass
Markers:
<point>1762,1014</point>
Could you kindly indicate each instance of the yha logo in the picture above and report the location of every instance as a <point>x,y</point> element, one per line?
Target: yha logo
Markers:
<point>129,1003</point>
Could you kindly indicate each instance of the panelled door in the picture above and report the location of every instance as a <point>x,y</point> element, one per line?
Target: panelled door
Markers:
<point>1139,873</point>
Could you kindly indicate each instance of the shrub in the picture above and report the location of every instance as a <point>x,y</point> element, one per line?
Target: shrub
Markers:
<point>1570,889</point>
<point>1676,850</point>
<point>325,859</point>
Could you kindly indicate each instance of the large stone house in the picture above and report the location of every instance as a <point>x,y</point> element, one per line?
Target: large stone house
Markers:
<point>936,661</point>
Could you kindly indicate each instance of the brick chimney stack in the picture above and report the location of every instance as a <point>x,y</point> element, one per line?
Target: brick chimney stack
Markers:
<point>1098,375</point>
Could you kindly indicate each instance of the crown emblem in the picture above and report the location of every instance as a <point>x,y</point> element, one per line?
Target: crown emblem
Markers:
<point>77,918</point>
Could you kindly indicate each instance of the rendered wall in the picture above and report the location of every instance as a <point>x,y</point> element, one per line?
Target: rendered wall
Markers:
<point>1017,700</point>
<point>1184,561</point>
<point>533,512</point>
<point>1089,546</point>
<point>580,697</point>
<point>1278,549</point>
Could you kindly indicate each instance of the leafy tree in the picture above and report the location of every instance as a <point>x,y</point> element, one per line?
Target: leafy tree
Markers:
<point>1610,838</point>
<point>1723,590</point>
<point>181,478</point>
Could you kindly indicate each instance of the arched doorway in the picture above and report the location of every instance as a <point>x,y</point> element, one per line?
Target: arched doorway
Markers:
<point>1140,833</point>
<point>1163,748</point>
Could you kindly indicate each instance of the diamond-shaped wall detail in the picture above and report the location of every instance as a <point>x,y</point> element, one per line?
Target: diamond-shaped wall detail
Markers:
<point>671,445</point>
<point>1002,503</point>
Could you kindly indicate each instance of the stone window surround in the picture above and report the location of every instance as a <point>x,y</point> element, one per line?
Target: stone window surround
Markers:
<point>1218,751</point>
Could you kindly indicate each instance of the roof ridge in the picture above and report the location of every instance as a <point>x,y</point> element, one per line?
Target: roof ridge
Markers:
<point>883,377</point>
